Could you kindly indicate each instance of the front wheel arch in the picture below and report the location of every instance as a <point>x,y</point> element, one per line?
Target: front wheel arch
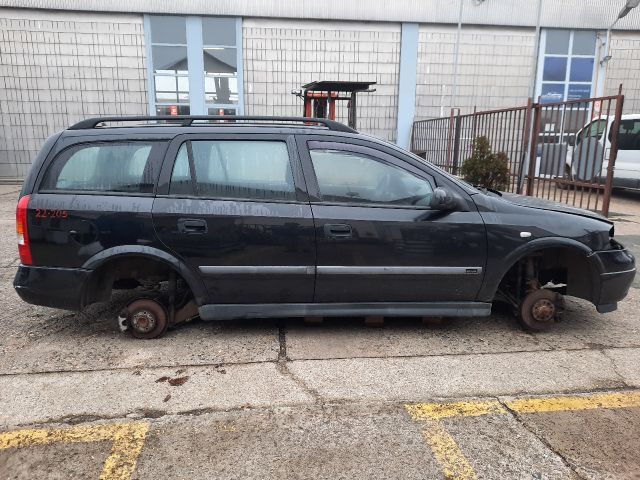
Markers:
<point>496,274</point>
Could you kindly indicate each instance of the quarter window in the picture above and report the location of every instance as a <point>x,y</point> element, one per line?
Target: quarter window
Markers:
<point>350,177</point>
<point>106,167</point>
<point>257,170</point>
<point>629,135</point>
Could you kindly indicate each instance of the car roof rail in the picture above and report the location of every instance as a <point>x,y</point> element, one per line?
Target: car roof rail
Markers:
<point>187,121</point>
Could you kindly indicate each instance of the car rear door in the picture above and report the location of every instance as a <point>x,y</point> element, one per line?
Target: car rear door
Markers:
<point>378,239</point>
<point>235,209</point>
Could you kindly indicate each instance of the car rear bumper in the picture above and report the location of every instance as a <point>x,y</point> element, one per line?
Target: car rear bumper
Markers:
<point>616,277</point>
<point>51,287</point>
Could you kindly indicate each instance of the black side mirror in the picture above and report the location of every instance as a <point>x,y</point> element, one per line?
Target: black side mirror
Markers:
<point>572,141</point>
<point>443,199</point>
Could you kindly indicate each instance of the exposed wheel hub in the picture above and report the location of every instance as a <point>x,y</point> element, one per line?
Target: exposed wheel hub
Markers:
<point>143,321</point>
<point>144,318</point>
<point>540,309</point>
<point>543,310</point>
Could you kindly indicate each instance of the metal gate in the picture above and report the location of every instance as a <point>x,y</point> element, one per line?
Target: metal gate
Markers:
<point>564,151</point>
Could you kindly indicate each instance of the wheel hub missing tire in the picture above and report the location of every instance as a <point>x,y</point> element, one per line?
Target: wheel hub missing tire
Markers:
<point>543,310</point>
<point>540,308</point>
<point>143,321</point>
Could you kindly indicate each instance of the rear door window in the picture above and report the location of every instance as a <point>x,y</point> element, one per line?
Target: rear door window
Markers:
<point>629,135</point>
<point>103,167</point>
<point>256,170</point>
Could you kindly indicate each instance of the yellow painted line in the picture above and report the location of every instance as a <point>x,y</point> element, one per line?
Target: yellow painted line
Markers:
<point>128,440</point>
<point>127,445</point>
<point>437,411</point>
<point>565,404</point>
<point>453,462</point>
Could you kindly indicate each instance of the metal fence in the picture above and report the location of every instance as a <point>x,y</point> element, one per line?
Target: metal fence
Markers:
<point>564,151</point>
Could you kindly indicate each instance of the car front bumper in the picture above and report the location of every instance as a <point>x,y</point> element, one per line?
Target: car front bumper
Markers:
<point>618,269</point>
<point>51,287</point>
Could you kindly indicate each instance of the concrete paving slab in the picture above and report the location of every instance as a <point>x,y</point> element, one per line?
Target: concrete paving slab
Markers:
<point>417,379</point>
<point>598,444</point>
<point>498,446</point>
<point>626,363</point>
<point>350,338</point>
<point>583,327</point>
<point>40,398</point>
<point>328,442</point>
<point>60,461</point>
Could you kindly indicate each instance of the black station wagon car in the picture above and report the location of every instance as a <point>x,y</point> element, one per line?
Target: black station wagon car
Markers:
<point>288,217</point>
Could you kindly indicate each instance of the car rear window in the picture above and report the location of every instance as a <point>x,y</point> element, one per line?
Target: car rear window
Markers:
<point>254,169</point>
<point>629,135</point>
<point>103,167</point>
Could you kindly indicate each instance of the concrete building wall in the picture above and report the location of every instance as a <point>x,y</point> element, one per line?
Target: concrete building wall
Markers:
<point>495,68</point>
<point>589,14</point>
<point>624,68</point>
<point>57,68</point>
<point>280,56</point>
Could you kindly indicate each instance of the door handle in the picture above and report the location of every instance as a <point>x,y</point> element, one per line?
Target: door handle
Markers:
<point>192,225</point>
<point>337,230</point>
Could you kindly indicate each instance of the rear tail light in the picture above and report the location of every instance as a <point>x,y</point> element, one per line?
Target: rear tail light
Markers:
<point>24,249</point>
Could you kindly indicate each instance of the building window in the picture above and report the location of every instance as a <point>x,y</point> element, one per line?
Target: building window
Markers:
<point>170,65</point>
<point>220,58</point>
<point>195,65</point>
<point>566,65</point>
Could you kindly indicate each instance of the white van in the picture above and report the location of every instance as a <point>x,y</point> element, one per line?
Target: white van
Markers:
<point>588,156</point>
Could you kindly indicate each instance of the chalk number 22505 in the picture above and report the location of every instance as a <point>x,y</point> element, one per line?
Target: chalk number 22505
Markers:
<point>45,213</point>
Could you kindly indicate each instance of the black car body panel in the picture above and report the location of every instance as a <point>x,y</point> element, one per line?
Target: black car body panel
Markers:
<point>543,204</point>
<point>246,257</point>
<point>51,286</point>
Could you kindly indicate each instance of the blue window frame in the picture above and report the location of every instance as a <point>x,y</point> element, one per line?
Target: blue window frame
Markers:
<point>566,65</point>
<point>194,65</point>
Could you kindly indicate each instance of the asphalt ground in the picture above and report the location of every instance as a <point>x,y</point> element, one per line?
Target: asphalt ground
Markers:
<point>465,398</point>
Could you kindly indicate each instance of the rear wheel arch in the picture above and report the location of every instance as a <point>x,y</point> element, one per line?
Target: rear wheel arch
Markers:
<point>146,259</point>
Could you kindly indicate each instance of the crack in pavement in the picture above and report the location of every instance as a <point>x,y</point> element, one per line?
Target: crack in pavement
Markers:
<point>282,342</point>
<point>614,367</point>
<point>516,416</point>
<point>283,368</point>
<point>282,357</point>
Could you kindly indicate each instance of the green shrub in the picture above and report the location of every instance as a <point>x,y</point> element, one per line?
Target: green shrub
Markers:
<point>486,168</point>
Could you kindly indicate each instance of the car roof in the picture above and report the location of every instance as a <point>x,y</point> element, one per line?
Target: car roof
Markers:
<point>171,131</point>
<point>170,126</point>
<point>626,116</point>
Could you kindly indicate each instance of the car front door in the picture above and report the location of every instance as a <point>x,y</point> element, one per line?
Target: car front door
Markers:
<point>235,210</point>
<point>378,239</point>
<point>588,153</point>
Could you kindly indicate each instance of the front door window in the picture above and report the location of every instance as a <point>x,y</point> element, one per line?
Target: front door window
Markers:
<point>349,177</point>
